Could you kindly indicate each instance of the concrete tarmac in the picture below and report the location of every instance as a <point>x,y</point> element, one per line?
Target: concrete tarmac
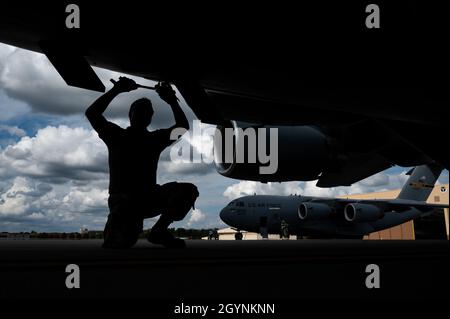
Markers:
<point>266,270</point>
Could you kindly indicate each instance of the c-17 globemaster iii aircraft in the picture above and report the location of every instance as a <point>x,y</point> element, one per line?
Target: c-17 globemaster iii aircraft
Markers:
<point>334,217</point>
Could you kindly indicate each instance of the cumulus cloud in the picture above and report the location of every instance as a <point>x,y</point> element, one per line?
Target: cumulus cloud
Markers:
<point>54,178</point>
<point>56,152</point>
<point>80,199</point>
<point>12,130</point>
<point>376,180</point>
<point>250,187</point>
<point>59,178</point>
<point>15,200</point>
<point>195,217</point>
<point>28,204</point>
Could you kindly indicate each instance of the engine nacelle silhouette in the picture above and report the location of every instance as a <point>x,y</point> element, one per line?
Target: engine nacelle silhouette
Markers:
<point>356,212</point>
<point>270,153</point>
<point>314,211</point>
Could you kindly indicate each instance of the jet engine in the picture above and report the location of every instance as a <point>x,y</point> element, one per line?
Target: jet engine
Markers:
<point>313,211</point>
<point>362,213</point>
<point>269,153</point>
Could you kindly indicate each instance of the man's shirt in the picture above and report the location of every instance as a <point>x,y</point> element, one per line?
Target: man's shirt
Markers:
<point>133,156</point>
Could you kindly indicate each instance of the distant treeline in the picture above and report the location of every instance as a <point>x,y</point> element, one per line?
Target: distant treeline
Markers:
<point>98,234</point>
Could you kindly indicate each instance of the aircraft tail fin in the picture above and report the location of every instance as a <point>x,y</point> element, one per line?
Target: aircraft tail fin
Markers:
<point>420,182</point>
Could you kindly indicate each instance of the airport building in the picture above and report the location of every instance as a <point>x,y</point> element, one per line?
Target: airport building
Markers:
<point>434,226</point>
<point>230,234</point>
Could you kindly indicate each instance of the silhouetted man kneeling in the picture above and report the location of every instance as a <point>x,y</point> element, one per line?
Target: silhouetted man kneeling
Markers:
<point>133,160</point>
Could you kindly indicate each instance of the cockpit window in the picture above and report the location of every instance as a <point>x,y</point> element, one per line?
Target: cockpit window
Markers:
<point>236,204</point>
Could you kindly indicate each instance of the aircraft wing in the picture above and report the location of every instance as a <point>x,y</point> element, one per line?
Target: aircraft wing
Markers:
<point>397,205</point>
<point>356,169</point>
<point>249,67</point>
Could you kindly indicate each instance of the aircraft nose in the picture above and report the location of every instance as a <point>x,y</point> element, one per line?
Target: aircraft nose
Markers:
<point>225,215</point>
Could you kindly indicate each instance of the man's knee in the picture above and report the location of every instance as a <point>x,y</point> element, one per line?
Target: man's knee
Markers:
<point>182,197</point>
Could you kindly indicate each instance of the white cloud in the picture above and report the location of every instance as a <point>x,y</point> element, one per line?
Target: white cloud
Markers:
<point>19,198</point>
<point>249,188</point>
<point>12,130</point>
<point>378,182</point>
<point>56,152</point>
<point>14,201</point>
<point>30,202</point>
<point>196,216</point>
<point>37,216</point>
<point>51,179</point>
<point>80,200</point>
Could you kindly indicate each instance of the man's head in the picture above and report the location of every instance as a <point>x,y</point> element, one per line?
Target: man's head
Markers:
<point>141,112</point>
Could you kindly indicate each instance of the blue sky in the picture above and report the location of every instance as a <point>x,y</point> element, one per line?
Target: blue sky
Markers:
<point>53,167</point>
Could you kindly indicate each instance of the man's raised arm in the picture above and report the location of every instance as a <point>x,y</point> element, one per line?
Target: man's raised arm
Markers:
<point>94,113</point>
<point>166,93</point>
